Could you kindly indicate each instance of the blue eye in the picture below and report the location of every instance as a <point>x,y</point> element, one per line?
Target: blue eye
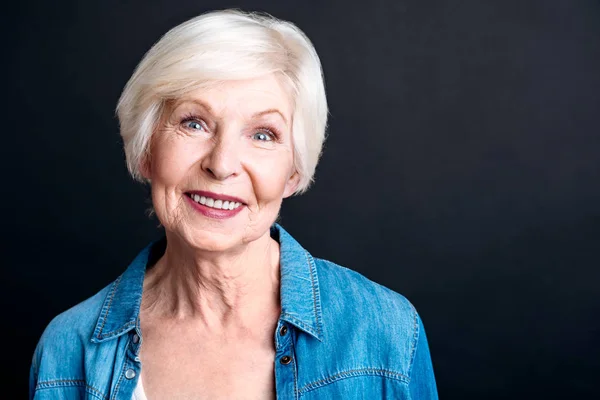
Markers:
<point>263,136</point>
<point>194,125</point>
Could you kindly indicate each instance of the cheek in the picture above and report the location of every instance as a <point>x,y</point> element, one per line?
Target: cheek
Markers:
<point>171,160</point>
<point>270,175</point>
<point>170,164</point>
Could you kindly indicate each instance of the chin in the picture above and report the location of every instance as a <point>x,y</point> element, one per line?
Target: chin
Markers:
<point>212,241</point>
<point>201,234</point>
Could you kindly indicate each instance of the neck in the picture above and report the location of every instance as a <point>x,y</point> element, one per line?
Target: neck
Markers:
<point>218,288</point>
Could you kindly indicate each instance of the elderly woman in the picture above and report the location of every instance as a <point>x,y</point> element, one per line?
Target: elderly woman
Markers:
<point>224,118</point>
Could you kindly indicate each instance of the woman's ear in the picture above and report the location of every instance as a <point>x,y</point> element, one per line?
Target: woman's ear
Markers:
<point>146,161</point>
<point>291,185</point>
<point>145,168</point>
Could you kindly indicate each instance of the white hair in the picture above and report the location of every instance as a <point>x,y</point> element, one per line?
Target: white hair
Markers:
<point>221,46</point>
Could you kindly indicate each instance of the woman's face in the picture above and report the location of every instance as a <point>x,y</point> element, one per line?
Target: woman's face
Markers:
<point>221,163</point>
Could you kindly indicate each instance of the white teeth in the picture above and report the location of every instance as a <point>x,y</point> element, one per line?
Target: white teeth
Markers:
<point>218,204</point>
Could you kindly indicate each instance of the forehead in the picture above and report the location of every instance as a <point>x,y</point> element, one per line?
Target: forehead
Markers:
<point>242,96</point>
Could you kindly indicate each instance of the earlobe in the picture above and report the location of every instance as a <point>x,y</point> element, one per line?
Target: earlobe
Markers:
<point>291,185</point>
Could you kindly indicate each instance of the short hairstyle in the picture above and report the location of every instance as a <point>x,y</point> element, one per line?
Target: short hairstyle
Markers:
<point>221,46</point>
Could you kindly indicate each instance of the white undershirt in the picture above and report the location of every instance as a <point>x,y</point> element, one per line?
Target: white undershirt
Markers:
<point>138,393</point>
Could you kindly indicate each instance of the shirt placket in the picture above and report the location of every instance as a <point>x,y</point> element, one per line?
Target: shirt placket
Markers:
<point>285,363</point>
<point>131,368</point>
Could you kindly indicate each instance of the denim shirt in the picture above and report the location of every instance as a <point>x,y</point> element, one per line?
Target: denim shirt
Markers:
<point>339,336</point>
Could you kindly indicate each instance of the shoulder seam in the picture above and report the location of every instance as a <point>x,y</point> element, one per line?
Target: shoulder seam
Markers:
<point>369,280</point>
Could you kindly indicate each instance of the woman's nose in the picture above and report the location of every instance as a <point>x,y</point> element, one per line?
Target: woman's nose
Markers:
<point>222,160</point>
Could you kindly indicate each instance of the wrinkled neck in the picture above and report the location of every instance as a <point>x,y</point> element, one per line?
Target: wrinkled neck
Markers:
<point>217,287</point>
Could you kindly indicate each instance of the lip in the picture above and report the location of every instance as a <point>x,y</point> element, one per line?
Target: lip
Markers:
<point>210,212</point>
<point>216,196</point>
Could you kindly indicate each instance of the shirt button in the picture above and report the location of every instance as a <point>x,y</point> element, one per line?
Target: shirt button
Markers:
<point>136,338</point>
<point>130,374</point>
<point>285,360</point>
<point>283,330</point>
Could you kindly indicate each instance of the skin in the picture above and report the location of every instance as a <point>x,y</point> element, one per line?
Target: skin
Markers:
<point>210,305</point>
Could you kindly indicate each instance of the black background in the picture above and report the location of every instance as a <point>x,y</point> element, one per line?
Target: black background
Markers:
<point>462,170</point>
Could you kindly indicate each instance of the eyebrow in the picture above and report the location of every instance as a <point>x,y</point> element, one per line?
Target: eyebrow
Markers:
<point>271,111</point>
<point>200,103</point>
<point>210,110</point>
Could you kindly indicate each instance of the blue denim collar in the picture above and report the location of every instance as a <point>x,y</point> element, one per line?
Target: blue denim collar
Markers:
<point>300,297</point>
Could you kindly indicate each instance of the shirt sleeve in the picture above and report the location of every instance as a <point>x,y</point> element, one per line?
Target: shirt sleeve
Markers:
<point>422,380</point>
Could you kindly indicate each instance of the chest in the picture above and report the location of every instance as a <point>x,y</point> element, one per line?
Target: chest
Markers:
<point>188,366</point>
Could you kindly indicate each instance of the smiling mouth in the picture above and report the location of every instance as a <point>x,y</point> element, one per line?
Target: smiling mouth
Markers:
<point>214,203</point>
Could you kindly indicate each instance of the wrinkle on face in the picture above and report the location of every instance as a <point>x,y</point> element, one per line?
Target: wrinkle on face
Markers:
<point>227,109</point>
